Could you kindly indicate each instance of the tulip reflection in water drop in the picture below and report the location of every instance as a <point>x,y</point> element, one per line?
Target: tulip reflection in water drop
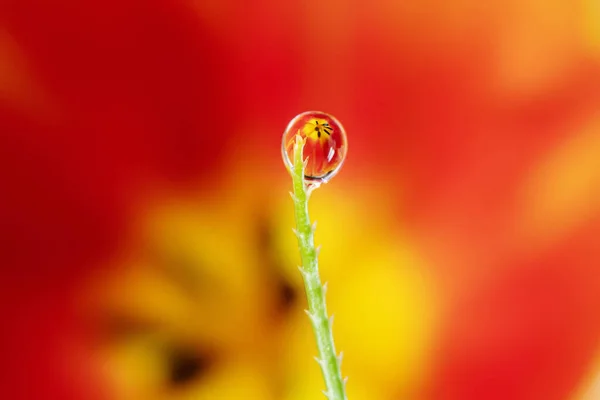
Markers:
<point>325,145</point>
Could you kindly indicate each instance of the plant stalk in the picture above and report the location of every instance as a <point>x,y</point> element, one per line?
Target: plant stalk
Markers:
<point>315,291</point>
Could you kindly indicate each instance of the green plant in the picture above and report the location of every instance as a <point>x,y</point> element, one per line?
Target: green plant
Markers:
<point>328,359</point>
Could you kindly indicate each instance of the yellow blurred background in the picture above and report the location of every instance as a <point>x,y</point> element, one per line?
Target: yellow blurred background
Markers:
<point>145,224</point>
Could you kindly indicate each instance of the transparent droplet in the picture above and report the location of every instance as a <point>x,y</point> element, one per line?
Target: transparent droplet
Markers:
<point>325,145</point>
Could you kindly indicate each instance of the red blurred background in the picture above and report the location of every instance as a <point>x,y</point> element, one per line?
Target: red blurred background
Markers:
<point>145,225</point>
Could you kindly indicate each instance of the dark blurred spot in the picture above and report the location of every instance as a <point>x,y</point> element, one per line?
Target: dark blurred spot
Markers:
<point>287,294</point>
<point>186,365</point>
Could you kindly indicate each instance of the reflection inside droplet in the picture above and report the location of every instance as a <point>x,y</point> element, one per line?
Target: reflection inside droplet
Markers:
<point>325,145</point>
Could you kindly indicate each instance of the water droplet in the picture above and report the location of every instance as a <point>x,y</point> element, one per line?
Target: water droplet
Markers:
<point>325,145</point>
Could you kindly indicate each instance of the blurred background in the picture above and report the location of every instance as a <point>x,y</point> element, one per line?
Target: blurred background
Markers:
<point>145,225</point>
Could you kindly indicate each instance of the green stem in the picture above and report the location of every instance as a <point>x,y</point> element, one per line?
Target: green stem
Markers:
<point>315,291</point>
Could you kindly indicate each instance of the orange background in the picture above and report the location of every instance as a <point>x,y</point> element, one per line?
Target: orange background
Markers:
<point>145,225</point>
